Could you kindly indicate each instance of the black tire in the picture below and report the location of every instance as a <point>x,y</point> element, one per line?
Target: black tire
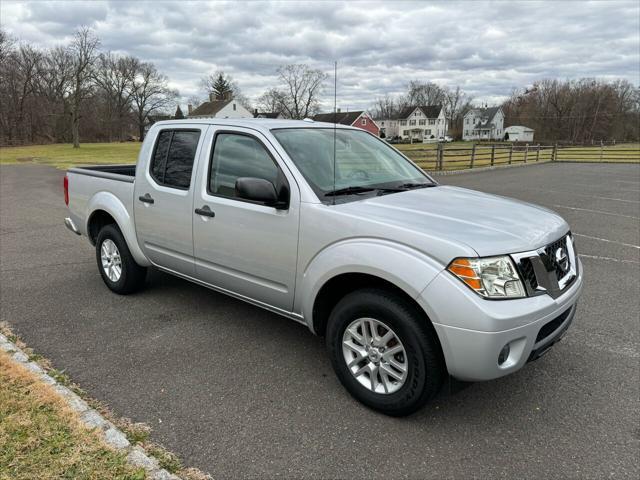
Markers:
<point>133,275</point>
<point>426,368</point>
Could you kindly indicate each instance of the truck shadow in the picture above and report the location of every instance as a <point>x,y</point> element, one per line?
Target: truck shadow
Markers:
<point>304,364</point>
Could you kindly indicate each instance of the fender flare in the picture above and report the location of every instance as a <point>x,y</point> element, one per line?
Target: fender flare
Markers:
<point>111,204</point>
<point>405,267</point>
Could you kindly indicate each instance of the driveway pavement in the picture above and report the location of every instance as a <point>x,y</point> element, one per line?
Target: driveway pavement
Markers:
<point>240,392</point>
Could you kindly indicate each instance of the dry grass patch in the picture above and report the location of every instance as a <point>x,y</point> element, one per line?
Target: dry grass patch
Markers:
<point>42,437</point>
<point>136,432</point>
<point>63,155</point>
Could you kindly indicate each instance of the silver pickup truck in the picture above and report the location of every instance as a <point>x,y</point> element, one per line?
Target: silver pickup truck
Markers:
<point>409,281</point>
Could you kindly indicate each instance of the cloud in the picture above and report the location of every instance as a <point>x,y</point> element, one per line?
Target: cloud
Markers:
<point>488,48</point>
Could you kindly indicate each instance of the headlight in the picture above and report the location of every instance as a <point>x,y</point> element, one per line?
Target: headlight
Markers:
<point>492,277</point>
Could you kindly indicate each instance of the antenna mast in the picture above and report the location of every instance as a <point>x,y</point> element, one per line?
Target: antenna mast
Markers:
<point>335,114</point>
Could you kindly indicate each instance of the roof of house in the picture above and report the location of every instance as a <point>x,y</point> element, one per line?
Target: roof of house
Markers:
<point>487,113</point>
<point>210,108</point>
<point>518,128</point>
<point>343,118</point>
<point>430,111</point>
<point>266,114</point>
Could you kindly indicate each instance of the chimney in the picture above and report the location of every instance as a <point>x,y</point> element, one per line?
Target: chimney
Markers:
<point>227,95</point>
<point>212,97</point>
<point>190,108</point>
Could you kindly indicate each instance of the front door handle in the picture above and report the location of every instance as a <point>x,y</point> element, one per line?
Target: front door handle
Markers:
<point>205,211</point>
<point>146,199</point>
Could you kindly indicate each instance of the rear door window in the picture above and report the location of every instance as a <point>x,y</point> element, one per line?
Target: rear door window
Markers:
<point>173,158</point>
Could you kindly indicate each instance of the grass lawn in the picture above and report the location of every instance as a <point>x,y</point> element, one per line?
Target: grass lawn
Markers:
<point>457,155</point>
<point>63,155</point>
<point>41,437</point>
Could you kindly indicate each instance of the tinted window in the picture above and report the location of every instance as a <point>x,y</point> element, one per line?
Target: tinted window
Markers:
<point>159,161</point>
<point>173,159</point>
<point>237,156</point>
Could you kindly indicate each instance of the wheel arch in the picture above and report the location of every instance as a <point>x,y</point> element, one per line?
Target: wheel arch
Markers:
<point>361,263</point>
<point>105,208</point>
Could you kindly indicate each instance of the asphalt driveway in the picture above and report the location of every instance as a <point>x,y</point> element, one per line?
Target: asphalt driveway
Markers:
<point>240,392</point>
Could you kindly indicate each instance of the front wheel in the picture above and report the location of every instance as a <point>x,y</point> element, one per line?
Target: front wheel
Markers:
<point>384,352</point>
<point>118,269</point>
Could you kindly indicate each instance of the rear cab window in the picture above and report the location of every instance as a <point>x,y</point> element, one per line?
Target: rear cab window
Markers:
<point>173,157</point>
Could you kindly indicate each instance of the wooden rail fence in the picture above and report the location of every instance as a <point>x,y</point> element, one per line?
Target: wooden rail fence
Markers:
<point>482,155</point>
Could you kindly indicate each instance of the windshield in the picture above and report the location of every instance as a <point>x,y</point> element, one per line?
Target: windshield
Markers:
<point>363,165</point>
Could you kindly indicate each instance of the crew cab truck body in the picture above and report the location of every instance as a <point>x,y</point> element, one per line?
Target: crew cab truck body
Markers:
<point>408,280</point>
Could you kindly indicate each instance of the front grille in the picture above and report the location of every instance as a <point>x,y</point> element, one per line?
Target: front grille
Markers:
<point>542,270</point>
<point>528,274</point>
<point>550,327</point>
<point>550,251</point>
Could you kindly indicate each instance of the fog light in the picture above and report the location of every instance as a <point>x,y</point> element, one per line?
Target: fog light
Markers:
<point>504,354</point>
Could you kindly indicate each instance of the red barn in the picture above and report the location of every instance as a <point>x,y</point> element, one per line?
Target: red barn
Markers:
<point>359,119</point>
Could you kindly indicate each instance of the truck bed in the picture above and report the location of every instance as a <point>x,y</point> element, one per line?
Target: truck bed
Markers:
<point>123,173</point>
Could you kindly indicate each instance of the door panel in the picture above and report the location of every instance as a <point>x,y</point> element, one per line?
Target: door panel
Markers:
<point>247,248</point>
<point>163,199</point>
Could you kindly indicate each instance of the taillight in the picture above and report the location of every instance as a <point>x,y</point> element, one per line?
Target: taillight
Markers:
<point>66,190</point>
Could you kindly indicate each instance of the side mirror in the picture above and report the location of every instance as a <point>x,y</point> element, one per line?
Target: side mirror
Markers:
<point>258,190</point>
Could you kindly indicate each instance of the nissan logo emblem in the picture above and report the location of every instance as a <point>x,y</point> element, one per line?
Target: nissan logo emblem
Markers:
<point>562,259</point>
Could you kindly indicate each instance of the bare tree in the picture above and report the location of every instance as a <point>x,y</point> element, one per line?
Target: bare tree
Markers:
<point>584,110</point>
<point>18,77</point>
<point>385,107</point>
<point>301,90</point>
<point>271,101</point>
<point>425,93</point>
<point>150,94</point>
<point>456,104</point>
<point>84,49</point>
<point>114,75</point>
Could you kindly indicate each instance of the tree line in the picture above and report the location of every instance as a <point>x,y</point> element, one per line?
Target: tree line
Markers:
<point>74,91</point>
<point>577,111</point>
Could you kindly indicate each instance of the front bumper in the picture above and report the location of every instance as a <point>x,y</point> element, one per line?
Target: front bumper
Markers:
<point>473,330</point>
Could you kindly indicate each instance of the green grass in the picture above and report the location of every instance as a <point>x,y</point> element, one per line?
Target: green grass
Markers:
<point>41,437</point>
<point>63,155</point>
<point>424,154</point>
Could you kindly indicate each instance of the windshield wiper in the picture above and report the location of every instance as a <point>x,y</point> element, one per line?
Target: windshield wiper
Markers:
<point>405,187</point>
<point>409,186</point>
<point>349,191</point>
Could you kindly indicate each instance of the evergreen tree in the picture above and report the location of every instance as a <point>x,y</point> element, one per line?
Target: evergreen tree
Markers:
<point>221,86</point>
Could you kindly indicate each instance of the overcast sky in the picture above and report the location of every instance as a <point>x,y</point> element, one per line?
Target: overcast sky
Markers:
<point>488,48</point>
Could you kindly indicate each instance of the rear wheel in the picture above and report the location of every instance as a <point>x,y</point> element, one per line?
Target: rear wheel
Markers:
<point>118,269</point>
<point>384,352</point>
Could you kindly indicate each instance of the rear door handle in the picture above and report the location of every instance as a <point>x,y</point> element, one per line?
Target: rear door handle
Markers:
<point>205,211</point>
<point>146,199</point>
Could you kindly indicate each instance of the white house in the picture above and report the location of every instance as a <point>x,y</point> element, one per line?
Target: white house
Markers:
<point>419,123</point>
<point>518,133</point>
<point>483,124</point>
<point>227,108</point>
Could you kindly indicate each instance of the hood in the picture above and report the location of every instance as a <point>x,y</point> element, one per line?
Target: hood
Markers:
<point>489,224</point>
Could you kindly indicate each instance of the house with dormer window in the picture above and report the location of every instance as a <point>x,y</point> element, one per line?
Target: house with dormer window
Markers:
<point>483,124</point>
<point>416,123</point>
